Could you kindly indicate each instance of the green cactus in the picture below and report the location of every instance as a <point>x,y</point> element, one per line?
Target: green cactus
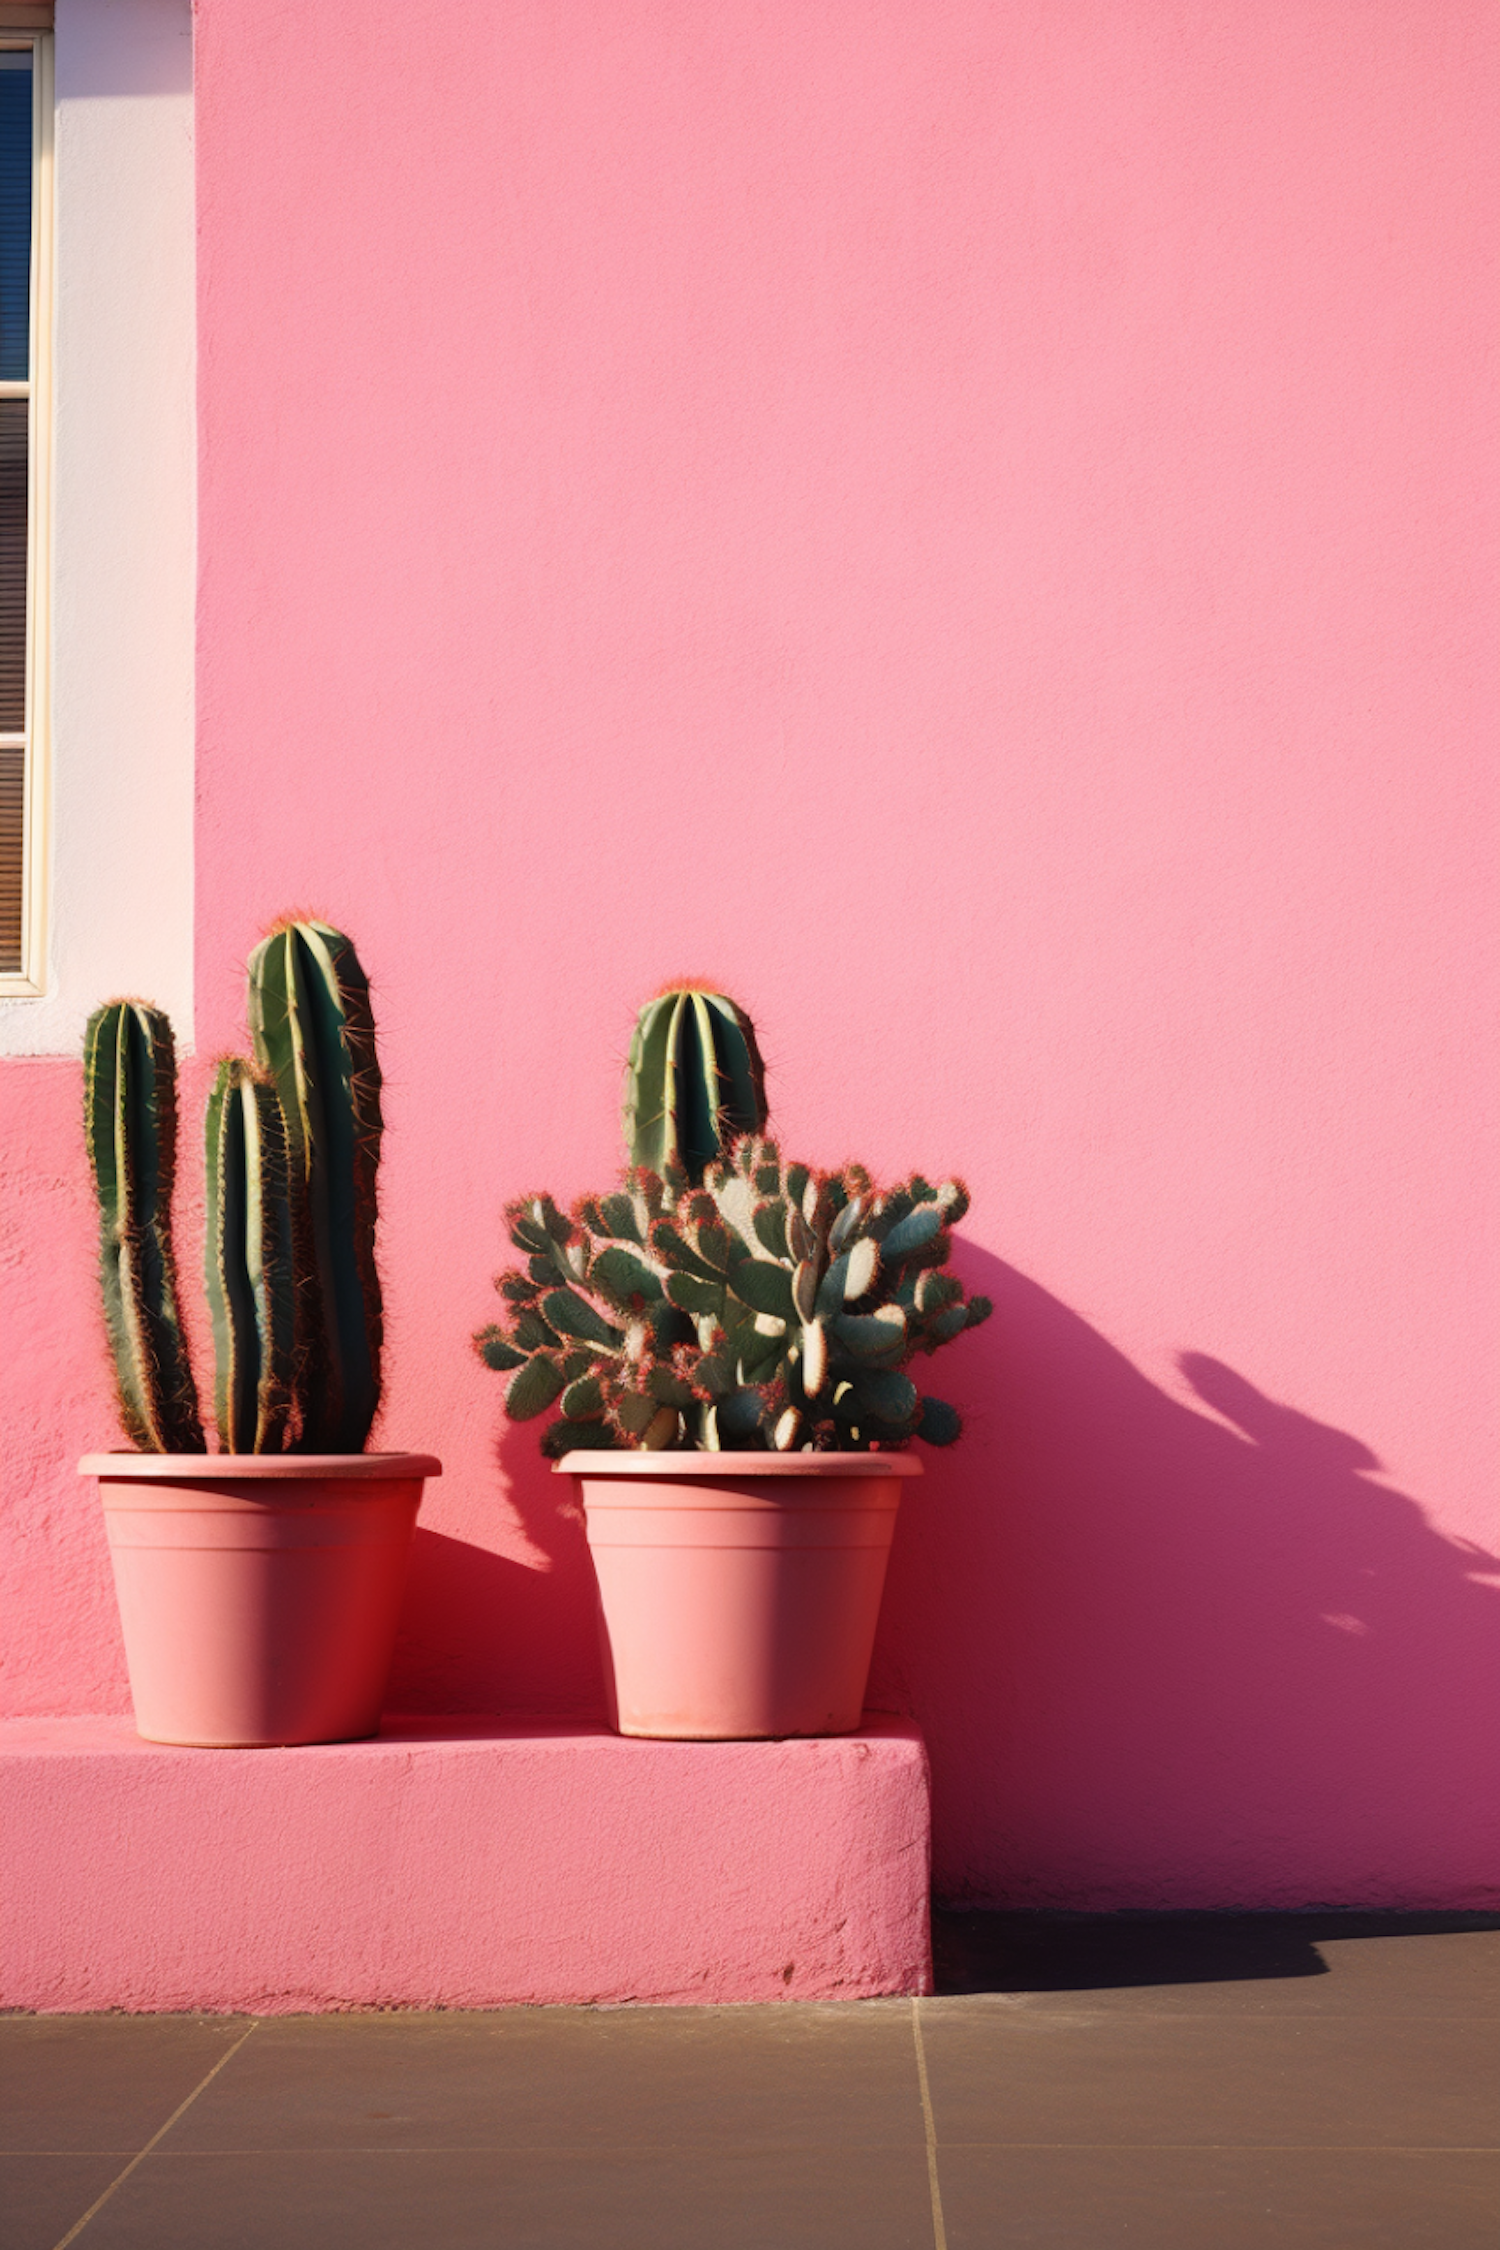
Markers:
<point>313,1032</point>
<point>292,1151</point>
<point>130,1116</point>
<point>694,1083</point>
<point>770,1307</point>
<point>249,1262</point>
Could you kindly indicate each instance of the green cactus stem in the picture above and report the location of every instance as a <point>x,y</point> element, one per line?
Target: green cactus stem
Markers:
<point>694,1083</point>
<point>314,1033</point>
<point>130,1120</point>
<point>249,1262</point>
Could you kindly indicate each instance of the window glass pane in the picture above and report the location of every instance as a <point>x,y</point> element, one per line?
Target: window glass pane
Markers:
<point>13,418</point>
<point>15,217</point>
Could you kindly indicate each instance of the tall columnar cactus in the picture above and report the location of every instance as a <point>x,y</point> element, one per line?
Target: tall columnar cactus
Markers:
<point>773,1307</point>
<point>130,1112</point>
<point>313,1032</point>
<point>694,1082</point>
<point>249,1262</point>
<point>292,1151</point>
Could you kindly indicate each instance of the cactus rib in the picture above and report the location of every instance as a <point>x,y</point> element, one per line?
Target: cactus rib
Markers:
<point>249,1262</point>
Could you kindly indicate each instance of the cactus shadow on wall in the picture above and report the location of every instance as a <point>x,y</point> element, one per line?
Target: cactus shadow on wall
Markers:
<point>563,1596</point>
<point>1182,1651</point>
<point>480,1631</point>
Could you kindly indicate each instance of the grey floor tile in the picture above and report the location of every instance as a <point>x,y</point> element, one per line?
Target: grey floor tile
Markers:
<point>1457,1974</point>
<point>487,2199</point>
<point>101,2082</point>
<point>1003,2073</point>
<point>1218,2199</point>
<point>1252,1964</point>
<point>41,2196</point>
<point>567,2077</point>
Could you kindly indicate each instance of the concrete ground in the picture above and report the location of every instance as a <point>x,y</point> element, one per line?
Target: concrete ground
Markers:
<point>1224,2083</point>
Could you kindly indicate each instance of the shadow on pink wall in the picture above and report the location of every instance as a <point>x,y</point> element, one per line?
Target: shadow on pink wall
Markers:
<point>1163,1655</point>
<point>1166,1656</point>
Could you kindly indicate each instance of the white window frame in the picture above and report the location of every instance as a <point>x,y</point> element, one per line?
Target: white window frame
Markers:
<point>116,845</point>
<point>35,837</point>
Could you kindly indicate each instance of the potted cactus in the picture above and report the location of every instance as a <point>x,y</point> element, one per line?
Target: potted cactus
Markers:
<point>727,1340</point>
<point>259,1585</point>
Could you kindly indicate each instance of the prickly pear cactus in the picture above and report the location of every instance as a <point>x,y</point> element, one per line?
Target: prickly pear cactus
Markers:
<point>770,1307</point>
<point>248,1262</point>
<point>130,1122</point>
<point>314,1034</point>
<point>694,1082</point>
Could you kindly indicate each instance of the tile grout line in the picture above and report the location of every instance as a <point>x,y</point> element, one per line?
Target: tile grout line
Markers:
<point>99,2202</point>
<point>679,2148</point>
<point>939,2231</point>
<point>757,2147</point>
<point>1254,2148</point>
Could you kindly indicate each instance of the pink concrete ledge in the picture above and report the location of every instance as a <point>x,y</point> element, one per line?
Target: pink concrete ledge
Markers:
<point>458,1863</point>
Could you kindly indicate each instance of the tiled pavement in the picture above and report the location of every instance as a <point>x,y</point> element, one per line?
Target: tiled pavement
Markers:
<point>1222,2083</point>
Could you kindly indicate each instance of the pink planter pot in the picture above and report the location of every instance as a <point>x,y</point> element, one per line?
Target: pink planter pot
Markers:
<point>259,1593</point>
<point>739,1591</point>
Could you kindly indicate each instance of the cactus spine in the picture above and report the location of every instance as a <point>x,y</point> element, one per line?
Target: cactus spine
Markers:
<point>314,1034</point>
<point>130,1111</point>
<point>249,1263</point>
<point>694,1083</point>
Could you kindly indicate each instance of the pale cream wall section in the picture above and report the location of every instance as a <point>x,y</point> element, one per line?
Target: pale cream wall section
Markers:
<point>121,842</point>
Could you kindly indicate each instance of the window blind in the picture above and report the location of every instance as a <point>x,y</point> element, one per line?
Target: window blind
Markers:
<point>16,406</point>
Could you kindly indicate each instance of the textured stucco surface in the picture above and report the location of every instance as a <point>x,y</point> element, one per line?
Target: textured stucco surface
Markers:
<point>459,1865</point>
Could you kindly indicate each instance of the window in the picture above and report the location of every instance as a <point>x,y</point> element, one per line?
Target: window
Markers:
<point>25,203</point>
<point>112,452</point>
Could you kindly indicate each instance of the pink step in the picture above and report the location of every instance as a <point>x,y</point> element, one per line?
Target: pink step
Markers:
<point>458,1862</point>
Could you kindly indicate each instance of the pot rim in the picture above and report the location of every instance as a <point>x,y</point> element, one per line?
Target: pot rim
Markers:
<point>261,1468</point>
<point>583,1462</point>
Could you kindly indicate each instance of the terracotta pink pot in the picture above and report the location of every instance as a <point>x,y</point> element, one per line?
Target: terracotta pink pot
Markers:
<point>739,1591</point>
<point>259,1593</point>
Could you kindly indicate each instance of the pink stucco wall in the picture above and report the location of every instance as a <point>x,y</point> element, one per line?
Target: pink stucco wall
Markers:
<point>972,525</point>
<point>455,1863</point>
